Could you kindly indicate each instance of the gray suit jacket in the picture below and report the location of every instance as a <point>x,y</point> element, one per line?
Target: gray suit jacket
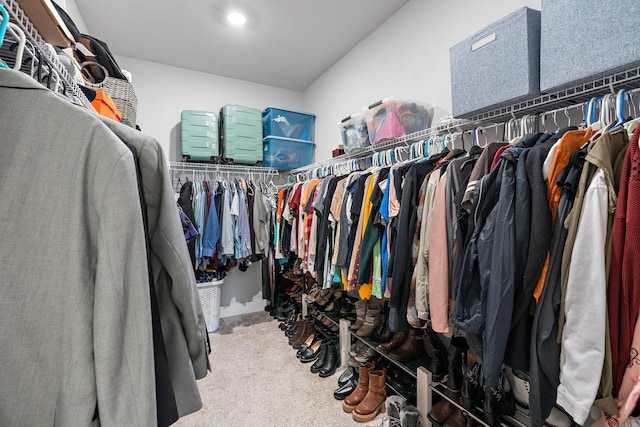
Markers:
<point>75,324</point>
<point>183,324</point>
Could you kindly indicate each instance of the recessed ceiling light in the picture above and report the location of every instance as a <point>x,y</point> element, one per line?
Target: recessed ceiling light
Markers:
<point>236,18</point>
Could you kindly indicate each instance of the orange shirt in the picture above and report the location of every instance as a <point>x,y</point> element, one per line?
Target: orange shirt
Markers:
<point>567,145</point>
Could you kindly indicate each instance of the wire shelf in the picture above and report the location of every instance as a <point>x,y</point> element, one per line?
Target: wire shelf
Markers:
<point>569,97</point>
<point>213,167</point>
<point>69,86</point>
<point>629,79</point>
<point>458,125</point>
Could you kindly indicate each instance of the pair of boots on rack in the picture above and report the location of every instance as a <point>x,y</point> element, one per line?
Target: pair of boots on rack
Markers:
<point>382,333</point>
<point>368,398</point>
<point>404,346</point>
<point>463,386</point>
<point>461,381</point>
<point>328,359</point>
<point>304,329</point>
<point>368,318</point>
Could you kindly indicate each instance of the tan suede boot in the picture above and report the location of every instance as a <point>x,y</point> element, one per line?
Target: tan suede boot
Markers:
<point>371,320</point>
<point>361,312</point>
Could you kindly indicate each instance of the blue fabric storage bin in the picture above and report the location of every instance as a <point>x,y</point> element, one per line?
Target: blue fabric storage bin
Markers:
<point>288,124</point>
<point>586,39</point>
<point>498,65</point>
<point>287,153</point>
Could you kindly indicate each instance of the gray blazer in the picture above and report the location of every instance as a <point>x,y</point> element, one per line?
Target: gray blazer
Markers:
<point>183,324</point>
<point>75,324</point>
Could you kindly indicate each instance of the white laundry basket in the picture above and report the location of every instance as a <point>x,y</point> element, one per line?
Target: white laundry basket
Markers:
<point>210,299</point>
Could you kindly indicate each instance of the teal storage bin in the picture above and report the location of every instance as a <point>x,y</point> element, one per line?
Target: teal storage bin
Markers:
<point>287,153</point>
<point>288,124</point>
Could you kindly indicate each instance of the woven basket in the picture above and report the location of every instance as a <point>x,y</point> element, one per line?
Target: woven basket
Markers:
<point>121,91</point>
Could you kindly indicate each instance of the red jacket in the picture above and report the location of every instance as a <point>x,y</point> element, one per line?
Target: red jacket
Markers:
<point>624,276</point>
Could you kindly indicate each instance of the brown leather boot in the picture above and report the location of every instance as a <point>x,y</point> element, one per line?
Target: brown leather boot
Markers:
<point>396,341</point>
<point>357,395</point>
<point>411,348</point>
<point>371,320</point>
<point>361,312</point>
<point>457,419</point>
<point>296,336</point>
<point>307,330</point>
<point>375,398</point>
<point>441,411</point>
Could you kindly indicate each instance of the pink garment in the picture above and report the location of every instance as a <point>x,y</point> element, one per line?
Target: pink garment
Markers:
<point>394,203</point>
<point>439,262</point>
<point>389,128</point>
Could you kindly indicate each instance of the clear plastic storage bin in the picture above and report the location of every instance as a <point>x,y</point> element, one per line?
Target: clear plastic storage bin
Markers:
<point>288,124</point>
<point>391,118</point>
<point>287,153</point>
<point>354,132</point>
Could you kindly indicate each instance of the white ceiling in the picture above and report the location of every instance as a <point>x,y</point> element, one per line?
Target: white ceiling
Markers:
<point>285,43</point>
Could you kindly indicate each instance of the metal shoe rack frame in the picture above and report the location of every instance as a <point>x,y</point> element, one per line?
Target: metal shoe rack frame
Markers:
<point>38,51</point>
<point>570,97</point>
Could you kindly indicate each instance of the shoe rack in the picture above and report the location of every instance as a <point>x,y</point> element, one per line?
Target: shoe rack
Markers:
<point>428,389</point>
<point>409,368</point>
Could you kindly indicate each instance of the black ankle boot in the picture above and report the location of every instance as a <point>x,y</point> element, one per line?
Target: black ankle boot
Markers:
<point>471,396</point>
<point>458,347</point>
<point>498,402</point>
<point>319,363</point>
<point>331,360</point>
<point>439,364</point>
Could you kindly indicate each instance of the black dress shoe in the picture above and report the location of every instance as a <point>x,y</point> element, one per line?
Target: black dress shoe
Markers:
<point>346,389</point>
<point>311,353</point>
<point>331,361</point>
<point>319,363</point>
<point>349,374</point>
<point>313,338</point>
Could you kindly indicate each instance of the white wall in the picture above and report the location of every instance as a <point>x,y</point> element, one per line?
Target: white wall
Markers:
<point>406,57</point>
<point>72,10</point>
<point>163,91</point>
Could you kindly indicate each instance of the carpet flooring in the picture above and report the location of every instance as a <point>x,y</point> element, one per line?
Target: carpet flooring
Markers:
<point>256,380</point>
